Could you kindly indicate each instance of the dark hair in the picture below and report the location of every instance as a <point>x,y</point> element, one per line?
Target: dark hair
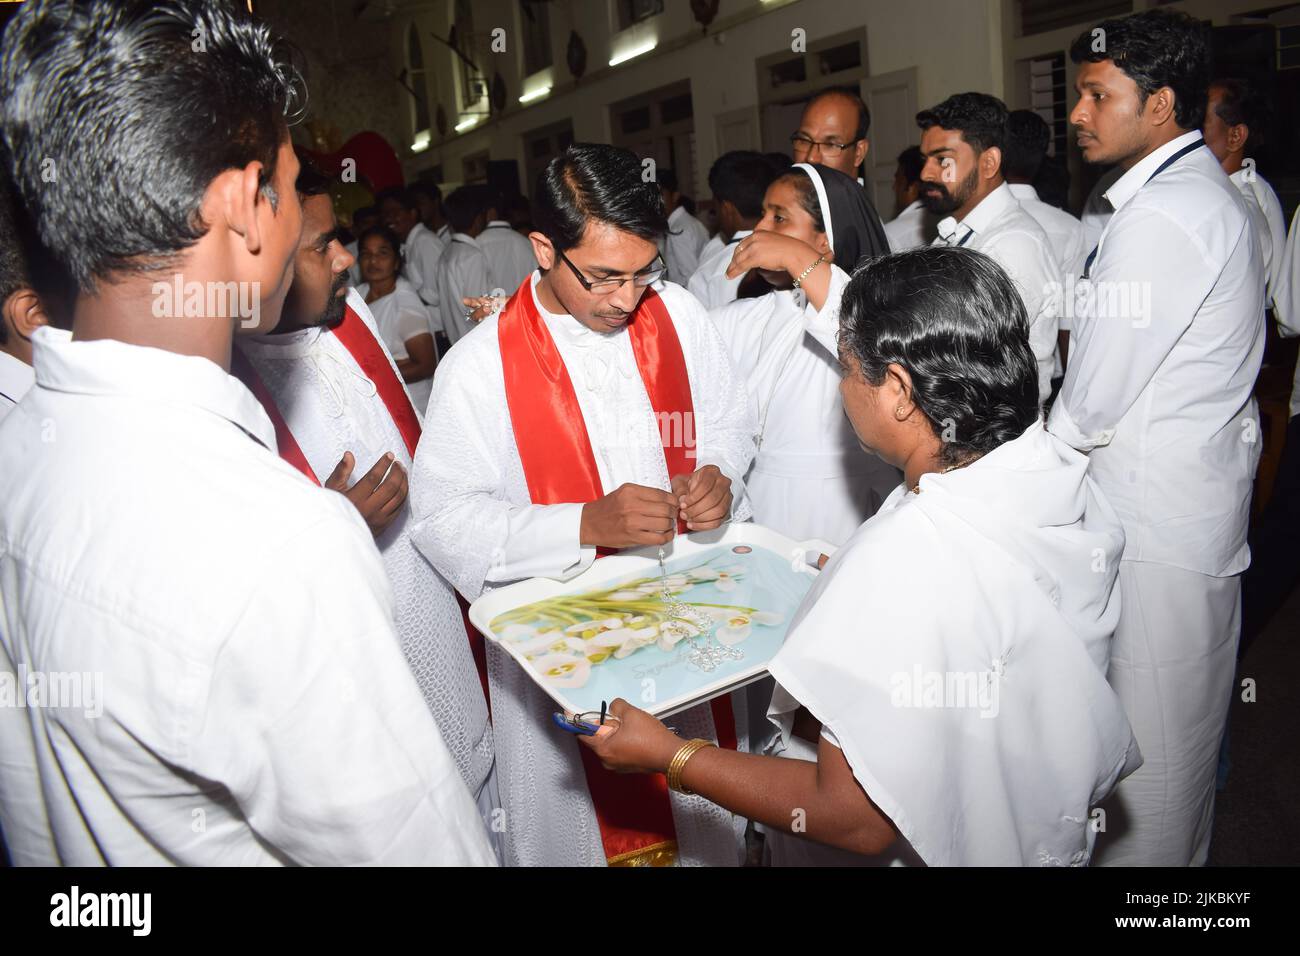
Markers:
<point>386,234</point>
<point>13,261</point>
<point>741,178</point>
<point>1028,136</point>
<point>911,161</point>
<point>1052,182</point>
<point>117,124</point>
<point>311,181</point>
<point>1155,48</point>
<point>464,205</point>
<point>365,212</point>
<point>780,162</point>
<point>864,114</point>
<point>981,119</point>
<point>595,182</point>
<point>955,321</point>
<point>398,194</point>
<point>1240,104</point>
<point>422,188</point>
<point>666,176</point>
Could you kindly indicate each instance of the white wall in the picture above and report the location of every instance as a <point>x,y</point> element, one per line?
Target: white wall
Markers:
<point>956,46</point>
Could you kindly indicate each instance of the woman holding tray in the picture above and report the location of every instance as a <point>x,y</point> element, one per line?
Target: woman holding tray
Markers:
<point>949,664</point>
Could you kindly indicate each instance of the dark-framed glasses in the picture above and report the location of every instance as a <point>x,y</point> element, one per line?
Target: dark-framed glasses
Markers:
<point>804,144</point>
<point>605,286</point>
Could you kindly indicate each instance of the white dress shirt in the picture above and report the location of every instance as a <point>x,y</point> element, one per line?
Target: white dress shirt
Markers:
<point>1065,232</point>
<point>683,245</point>
<point>510,258</point>
<point>1268,221</point>
<point>400,317</point>
<point>420,253</point>
<point>709,283</point>
<point>462,271</point>
<point>255,706</point>
<point>331,407</point>
<point>910,229</point>
<point>16,379</point>
<point>1000,228</point>
<point>1097,209</point>
<point>1286,299</point>
<point>1161,378</point>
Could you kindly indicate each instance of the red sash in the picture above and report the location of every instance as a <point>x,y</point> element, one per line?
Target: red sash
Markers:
<point>635,817</point>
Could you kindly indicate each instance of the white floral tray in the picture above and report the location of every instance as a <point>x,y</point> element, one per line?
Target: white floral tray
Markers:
<point>610,632</point>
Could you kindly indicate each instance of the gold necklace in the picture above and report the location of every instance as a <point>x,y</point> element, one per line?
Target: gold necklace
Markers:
<point>961,464</point>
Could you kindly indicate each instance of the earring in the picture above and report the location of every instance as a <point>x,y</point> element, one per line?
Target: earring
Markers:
<point>898,413</point>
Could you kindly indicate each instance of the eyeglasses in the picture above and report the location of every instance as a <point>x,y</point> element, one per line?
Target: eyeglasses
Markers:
<point>606,286</point>
<point>804,144</point>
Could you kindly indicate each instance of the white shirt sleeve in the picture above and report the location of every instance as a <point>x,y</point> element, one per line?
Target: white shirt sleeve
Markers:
<point>462,520</point>
<point>1113,356</point>
<point>725,426</point>
<point>320,734</point>
<point>1036,274</point>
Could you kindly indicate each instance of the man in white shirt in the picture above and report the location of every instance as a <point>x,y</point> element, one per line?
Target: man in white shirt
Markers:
<point>421,248</point>
<point>738,181</point>
<point>1026,148</point>
<point>510,258</point>
<point>686,236</point>
<point>962,140</point>
<point>324,377</point>
<point>1159,392</point>
<point>509,486</point>
<point>913,225</point>
<point>243,698</point>
<point>463,269</point>
<point>1233,118</point>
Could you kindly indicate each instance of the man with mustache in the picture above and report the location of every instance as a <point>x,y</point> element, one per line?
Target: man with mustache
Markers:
<point>333,392</point>
<point>592,412</point>
<point>962,140</point>
<point>1163,404</point>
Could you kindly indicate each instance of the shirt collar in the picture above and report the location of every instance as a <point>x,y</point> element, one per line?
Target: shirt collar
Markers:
<point>738,235</point>
<point>1126,187</point>
<point>567,323</point>
<point>1023,191</point>
<point>498,224</point>
<point>465,238</point>
<point>677,214</point>
<point>990,209</point>
<point>16,377</point>
<point>110,368</point>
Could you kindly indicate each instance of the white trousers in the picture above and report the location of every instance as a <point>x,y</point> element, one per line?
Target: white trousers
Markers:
<point>1172,663</point>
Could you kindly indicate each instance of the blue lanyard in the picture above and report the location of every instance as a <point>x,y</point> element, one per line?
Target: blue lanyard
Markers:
<point>1087,266</point>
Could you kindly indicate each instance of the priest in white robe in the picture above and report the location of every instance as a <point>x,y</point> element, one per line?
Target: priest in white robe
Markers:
<point>949,664</point>
<point>809,479</point>
<point>344,419</point>
<point>591,412</point>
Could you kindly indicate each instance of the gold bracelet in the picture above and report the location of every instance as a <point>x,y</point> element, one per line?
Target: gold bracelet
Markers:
<point>803,275</point>
<point>678,763</point>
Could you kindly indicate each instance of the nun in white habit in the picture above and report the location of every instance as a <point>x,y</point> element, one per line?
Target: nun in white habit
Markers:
<point>949,662</point>
<point>810,478</point>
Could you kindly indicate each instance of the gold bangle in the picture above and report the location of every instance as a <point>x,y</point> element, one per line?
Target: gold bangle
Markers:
<point>678,763</point>
<point>803,275</point>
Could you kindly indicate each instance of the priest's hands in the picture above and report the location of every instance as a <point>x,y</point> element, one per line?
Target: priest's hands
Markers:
<point>378,495</point>
<point>629,517</point>
<point>704,498</point>
<point>637,743</point>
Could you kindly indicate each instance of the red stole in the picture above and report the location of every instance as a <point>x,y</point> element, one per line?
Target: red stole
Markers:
<point>635,817</point>
<point>356,337</point>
